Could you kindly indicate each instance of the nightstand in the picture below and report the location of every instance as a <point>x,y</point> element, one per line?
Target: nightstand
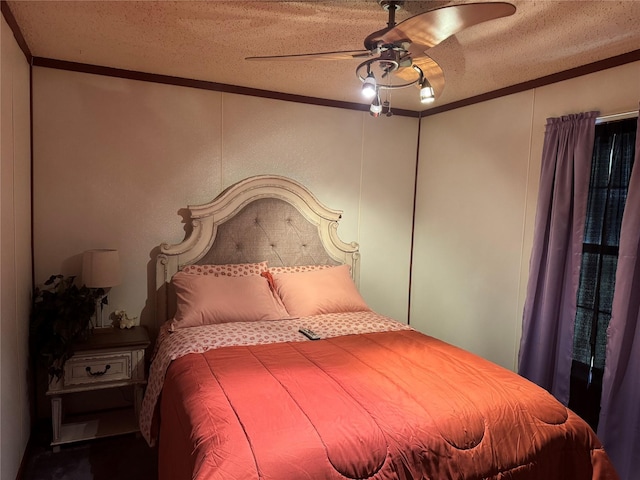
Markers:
<point>110,358</point>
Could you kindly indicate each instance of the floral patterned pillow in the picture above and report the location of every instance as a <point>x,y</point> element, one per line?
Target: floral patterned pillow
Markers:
<point>229,270</point>
<point>297,269</point>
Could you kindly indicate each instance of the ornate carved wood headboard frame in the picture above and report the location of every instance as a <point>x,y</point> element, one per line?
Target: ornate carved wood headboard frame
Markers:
<point>266,217</point>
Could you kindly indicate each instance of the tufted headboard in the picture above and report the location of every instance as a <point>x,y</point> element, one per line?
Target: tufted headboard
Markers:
<point>260,218</point>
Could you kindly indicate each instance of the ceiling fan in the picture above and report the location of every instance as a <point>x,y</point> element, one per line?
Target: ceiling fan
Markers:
<point>396,56</point>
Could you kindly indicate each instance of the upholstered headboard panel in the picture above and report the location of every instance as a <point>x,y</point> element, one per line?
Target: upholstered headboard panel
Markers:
<point>268,229</point>
<point>266,217</point>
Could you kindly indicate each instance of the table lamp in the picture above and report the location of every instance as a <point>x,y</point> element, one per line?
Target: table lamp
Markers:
<point>101,269</point>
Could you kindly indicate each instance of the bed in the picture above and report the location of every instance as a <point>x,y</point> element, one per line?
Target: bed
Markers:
<point>236,391</point>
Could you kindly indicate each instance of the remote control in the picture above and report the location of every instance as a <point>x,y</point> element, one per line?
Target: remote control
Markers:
<point>310,334</point>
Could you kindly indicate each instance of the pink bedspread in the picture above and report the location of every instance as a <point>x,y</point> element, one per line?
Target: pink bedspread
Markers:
<point>173,345</point>
<point>386,405</point>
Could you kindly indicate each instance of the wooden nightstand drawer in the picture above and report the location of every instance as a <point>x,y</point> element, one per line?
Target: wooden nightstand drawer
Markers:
<point>84,369</point>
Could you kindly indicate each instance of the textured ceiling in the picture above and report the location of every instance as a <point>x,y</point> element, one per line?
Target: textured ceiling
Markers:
<point>209,40</point>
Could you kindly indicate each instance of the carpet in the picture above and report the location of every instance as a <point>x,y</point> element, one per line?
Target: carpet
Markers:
<point>123,457</point>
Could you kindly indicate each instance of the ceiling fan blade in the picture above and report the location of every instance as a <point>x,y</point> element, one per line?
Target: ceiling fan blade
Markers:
<point>432,27</point>
<point>430,69</point>
<point>339,55</point>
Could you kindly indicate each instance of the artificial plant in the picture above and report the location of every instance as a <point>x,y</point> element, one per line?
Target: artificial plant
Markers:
<point>60,316</point>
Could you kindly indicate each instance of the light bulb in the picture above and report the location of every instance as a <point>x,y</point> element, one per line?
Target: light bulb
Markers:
<point>369,86</point>
<point>426,92</point>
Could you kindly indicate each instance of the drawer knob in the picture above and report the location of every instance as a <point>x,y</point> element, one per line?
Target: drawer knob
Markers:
<point>98,374</point>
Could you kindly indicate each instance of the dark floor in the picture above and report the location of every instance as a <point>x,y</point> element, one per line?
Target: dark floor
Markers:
<point>124,457</point>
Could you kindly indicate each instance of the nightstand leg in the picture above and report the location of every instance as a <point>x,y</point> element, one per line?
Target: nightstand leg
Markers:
<point>56,419</point>
<point>138,394</point>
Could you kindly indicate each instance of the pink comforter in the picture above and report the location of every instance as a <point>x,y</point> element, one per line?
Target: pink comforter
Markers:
<point>385,405</point>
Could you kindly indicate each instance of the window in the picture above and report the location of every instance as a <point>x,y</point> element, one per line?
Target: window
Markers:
<point>612,162</point>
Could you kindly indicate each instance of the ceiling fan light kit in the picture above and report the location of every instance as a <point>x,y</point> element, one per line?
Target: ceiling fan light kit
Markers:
<point>397,55</point>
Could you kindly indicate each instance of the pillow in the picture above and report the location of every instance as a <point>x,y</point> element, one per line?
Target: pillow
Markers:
<point>207,299</point>
<point>298,269</point>
<point>231,270</point>
<point>329,290</point>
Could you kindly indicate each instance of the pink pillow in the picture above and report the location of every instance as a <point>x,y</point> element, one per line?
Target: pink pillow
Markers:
<point>330,290</point>
<point>207,299</point>
<point>231,270</point>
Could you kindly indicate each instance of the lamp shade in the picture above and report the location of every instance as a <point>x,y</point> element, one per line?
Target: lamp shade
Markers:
<point>101,268</point>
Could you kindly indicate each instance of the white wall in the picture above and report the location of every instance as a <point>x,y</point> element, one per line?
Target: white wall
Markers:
<point>15,254</point>
<point>116,159</point>
<point>478,176</point>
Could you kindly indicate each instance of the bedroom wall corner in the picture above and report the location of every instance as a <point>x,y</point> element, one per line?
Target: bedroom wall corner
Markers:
<point>386,215</point>
<point>15,253</point>
<point>470,214</point>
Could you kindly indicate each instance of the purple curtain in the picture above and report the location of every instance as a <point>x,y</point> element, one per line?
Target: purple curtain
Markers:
<point>619,425</point>
<point>554,269</point>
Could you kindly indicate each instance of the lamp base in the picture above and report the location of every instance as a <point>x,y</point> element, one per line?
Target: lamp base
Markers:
<point>99,314</point>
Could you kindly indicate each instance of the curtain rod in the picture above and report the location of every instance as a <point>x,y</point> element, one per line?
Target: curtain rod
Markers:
<point>617,116</point>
